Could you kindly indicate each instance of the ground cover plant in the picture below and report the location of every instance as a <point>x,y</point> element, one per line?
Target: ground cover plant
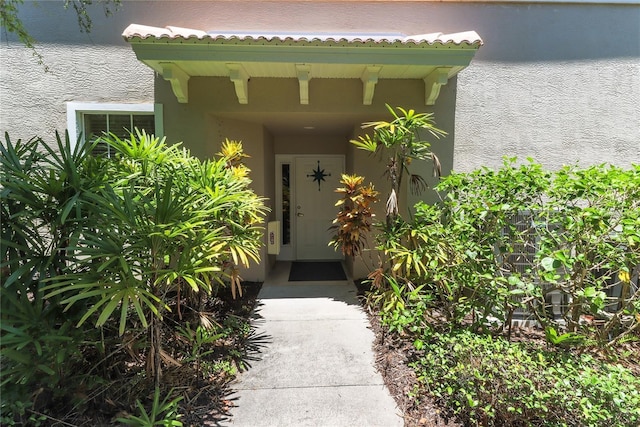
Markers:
<point>115,276</point>
<point>487,380</point>
<point>556,253</point>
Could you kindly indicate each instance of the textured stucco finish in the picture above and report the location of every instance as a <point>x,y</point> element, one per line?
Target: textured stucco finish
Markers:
<point>34,101</point>
<point>556,112</point>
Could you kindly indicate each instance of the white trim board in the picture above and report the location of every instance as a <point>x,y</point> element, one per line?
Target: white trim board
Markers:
<point>76,109</point>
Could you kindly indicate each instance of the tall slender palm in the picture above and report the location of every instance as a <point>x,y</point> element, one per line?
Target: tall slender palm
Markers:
<point>402,140</point>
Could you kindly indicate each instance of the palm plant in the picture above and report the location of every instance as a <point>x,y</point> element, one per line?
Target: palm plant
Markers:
<point>45,206</point>
<point>402,141</point>
<point>166,220</point>
<point>113,243</point>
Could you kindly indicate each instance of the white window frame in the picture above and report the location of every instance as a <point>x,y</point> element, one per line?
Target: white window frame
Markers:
<point>75,111</point>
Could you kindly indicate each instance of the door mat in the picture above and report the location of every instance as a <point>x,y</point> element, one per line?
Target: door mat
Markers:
<point>307,271</point>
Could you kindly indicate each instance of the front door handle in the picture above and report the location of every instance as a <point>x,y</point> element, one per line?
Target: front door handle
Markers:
<point>300,214</point>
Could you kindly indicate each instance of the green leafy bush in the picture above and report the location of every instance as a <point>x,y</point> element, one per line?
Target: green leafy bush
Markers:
<point>562,247</point>
<point>489,381</point>
<point>459,248</point>
<point>589,250</point>
<point>403,306</point>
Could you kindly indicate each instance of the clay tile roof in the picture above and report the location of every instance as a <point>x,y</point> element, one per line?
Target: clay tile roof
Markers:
<point>143,32</point>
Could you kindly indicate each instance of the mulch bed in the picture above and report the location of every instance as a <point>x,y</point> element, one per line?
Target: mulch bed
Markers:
<point>205,397</point>
<point>392,358</point>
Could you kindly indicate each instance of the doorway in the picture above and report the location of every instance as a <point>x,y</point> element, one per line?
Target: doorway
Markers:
<point>305,205</point>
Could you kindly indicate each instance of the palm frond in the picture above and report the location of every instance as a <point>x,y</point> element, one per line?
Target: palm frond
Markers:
<point>392,203</point>
<point>418,184</point>
<point>365,143</point>
<point>437,167</point>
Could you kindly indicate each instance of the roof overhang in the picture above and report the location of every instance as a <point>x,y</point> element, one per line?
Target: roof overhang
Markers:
<point>180,53</point>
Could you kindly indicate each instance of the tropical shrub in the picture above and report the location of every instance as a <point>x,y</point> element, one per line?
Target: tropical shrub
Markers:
<point>43,209</point>
<point>589,251</point>
<point>355,218</point>
<point>460,248</point>
<point>118,244</point>
<point>402,141</point>
<point>168,223</point>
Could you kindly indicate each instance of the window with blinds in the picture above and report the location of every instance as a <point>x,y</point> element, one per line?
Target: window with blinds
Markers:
<point>95,125</point>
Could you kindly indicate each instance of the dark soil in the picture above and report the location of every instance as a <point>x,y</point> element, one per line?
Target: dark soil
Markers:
<point>206,399</point>
<point>393,356</point>
<point>242,304</point>
<point>210,402</point>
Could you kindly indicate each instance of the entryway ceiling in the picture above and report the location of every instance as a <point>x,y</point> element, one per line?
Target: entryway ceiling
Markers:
<point>330,123</point>
<point>181,53</point>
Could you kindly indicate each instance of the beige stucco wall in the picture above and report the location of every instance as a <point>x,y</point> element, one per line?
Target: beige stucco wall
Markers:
<point>556,81</point>
<point>581,111</point>
<point>33,101</point>
<point>308,143</point>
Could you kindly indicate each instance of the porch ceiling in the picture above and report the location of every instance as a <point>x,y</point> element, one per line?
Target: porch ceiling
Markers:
<point>180,53</point>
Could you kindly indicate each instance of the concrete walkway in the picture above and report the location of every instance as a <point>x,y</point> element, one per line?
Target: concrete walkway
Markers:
<point>316,368</point>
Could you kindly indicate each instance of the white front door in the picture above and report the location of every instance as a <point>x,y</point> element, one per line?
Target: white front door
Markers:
<point>316,178</point>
